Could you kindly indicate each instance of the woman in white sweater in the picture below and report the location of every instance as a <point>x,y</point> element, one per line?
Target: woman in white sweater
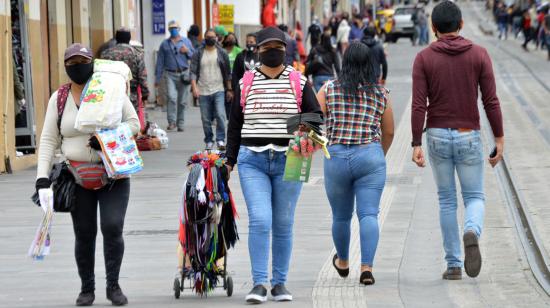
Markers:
<point>113,198</point>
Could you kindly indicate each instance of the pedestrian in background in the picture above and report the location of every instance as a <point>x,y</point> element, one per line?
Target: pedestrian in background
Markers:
<point>232,48</point>
<point>123,51</point>
<point>193,35</point>
<point>220,33</point>
<point>59,133</point>
<point>502,21</point>
<point>423,34</point>
<point>258,138</point>
<point>314,32</point>
<point>342,35</point>
<point>211,84</point>
<point>360,128</point>
<point>528,31</point>
<point>449,74</point>
<point>357,27</point>
<point>547,33</point>
<point>378,55</point>
<point>247,60</point>
<point>173,59</point>
<point>322,63</point>
<point>291,46</point>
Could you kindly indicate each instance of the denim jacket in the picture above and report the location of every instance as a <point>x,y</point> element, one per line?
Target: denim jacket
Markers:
<point>223,62</point>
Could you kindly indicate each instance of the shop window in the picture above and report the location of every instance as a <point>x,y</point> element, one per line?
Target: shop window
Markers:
<point>25,138</point>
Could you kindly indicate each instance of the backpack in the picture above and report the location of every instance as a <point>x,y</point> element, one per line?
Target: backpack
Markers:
<point>62,95</point>
<point>295,84</point>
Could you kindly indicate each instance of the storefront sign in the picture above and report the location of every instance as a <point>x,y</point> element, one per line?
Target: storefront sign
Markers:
<point>226,12</point>
<point>215,15</point>
<point>159,22</point>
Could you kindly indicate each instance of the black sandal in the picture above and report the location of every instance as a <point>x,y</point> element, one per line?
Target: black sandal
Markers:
<point>342,272</point>
<point>366,278</point>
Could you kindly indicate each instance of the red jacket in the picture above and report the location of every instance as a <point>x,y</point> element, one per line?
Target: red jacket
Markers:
<point>446,79</point>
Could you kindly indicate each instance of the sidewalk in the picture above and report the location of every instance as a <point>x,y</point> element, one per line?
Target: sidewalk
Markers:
<point>151,226</point>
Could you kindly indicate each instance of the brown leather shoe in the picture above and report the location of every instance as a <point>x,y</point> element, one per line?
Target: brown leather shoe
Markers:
<point>171,127</point>
<point>453,273</point>
<point>472,255</point>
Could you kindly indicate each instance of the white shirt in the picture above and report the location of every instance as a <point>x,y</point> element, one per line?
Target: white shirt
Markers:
<point>211,79</point>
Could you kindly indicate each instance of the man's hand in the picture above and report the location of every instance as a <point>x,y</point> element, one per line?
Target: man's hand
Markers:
<point>184,49</point>
<point>418,157</point>
<point>229,95</point>
<point>156,85</point>
<point>499,143</point>
<point>196,92</point>
<point>229,169</point>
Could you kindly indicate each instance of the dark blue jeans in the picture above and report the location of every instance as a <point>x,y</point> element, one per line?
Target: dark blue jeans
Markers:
<point>213,107</point>
<point>355,176</point>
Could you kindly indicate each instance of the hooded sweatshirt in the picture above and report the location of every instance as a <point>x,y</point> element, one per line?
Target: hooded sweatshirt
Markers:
<point>446,78</point>
<point>378,57</point>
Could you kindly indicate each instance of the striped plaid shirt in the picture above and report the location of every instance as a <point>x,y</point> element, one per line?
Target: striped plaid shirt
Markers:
<point>354,118</point>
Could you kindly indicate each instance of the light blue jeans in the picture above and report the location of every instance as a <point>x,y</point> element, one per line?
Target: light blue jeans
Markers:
<point>319,81</point>
<point>271,203</point>
<point>451,150</point>
<point>177,95</point>
<point>213,107</point>
<point>355,174</point>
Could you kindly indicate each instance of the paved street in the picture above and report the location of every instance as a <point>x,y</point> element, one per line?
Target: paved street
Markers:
<point>409,261</point>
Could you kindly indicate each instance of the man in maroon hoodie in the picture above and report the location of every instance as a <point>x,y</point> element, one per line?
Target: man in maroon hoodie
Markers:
<point>446,78</point>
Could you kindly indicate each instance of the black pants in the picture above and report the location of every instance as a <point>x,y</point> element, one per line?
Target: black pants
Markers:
<point>529,35</point>
<point>113,201</point>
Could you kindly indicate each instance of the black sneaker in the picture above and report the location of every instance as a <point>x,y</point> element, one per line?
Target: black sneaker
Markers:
<point>472,256</point>
<point>452,273</point>
<point>115,295</point>
<point>257,295</point>
<point>85,299</point>
<point>280,293</point>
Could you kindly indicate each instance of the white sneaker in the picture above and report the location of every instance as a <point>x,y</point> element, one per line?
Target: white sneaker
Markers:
<point>209,146</point>
<point>221,145</point>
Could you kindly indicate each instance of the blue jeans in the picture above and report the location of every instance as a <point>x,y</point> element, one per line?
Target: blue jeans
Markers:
<point>355,174</point>
<point>271,203</point>
<point>177,96</point>
<point>424,36</point>
<point>319,81</point>
<point>451,150</point>
<point>213,107</point>
<point>502,30</point>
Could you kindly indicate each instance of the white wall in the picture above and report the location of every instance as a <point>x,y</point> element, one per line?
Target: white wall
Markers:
<point>247,12</point>
<point>179,10</point>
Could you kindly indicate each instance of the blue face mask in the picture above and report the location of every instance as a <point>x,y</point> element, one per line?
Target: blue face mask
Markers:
<point>174,32</point>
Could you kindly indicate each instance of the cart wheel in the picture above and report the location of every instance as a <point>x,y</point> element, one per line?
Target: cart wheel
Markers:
<point>229,286</point>
<point>177,288</point>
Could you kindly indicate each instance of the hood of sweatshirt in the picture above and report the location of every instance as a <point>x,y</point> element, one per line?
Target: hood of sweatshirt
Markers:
<point>453,45</point>
<point>369,41</point>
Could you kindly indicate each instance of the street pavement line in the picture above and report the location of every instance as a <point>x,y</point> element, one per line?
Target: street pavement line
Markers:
<point>332,291</point>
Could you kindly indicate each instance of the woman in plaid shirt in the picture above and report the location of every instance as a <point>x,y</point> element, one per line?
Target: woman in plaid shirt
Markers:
<point>359,120</point>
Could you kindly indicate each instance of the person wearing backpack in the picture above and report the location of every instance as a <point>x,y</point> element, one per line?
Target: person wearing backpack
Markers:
<point>80,149</point>
<point>322,62</point>
<point>257,142</point>
<point>378,55</point>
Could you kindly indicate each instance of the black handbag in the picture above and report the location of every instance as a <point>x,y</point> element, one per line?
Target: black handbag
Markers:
<point>63,186</point>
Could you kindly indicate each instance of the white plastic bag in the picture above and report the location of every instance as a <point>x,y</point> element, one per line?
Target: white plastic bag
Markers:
<point>104,96</point>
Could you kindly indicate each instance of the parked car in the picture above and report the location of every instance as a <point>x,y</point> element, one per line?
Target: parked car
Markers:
<point>403,25</point>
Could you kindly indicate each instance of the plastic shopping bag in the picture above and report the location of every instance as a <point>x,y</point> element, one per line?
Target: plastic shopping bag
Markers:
<point>103,96</point>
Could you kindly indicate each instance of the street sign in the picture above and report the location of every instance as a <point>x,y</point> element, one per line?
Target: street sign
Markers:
<point>226,12</point>
<point>159,22</point>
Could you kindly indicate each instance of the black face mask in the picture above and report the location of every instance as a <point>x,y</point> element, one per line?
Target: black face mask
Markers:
<point>272,57</point>
<point>251,47</point>
<point>80,73</point>
<point>210,41</point>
